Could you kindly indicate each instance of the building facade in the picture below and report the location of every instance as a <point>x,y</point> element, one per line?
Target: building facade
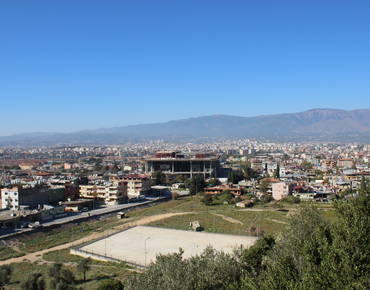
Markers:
<point>186,163</point>
<point>15,197</point>
<point>108,192</point>
<point>136,184</point>
<point>281,189</point>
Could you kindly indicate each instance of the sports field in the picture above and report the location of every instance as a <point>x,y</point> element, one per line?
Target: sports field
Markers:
<point>141,244</point>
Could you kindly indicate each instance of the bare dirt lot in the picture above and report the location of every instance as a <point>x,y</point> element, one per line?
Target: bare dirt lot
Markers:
<point>141,244</point>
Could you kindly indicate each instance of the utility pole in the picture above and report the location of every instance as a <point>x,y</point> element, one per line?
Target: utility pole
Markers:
<point>105,240</point>
<point>145,250</point>
<point>214,222</point>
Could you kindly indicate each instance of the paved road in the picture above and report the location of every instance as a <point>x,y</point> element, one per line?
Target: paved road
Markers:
<point>103,209</point>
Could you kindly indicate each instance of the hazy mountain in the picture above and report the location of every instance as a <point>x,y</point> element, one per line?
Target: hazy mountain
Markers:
<point>328,124</point>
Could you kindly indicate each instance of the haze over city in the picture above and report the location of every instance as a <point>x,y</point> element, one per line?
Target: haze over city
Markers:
<point>77,65</point>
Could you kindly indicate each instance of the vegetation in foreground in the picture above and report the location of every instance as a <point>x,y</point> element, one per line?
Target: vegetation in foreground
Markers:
<point>82,274</point>
<point>312,253</point>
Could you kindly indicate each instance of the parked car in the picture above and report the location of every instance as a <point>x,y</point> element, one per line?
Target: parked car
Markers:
<point>35,225</point>
<point>85,209</point>
<point>25,225</point>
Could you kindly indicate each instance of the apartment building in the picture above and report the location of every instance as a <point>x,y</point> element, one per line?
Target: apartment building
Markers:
<point>13,198</point>
<point>137,184</point>
<point>345,162</point>
<point>106,192</point>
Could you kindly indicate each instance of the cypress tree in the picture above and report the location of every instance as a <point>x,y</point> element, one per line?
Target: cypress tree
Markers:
<point>363,183</point>
<point>277,171</point>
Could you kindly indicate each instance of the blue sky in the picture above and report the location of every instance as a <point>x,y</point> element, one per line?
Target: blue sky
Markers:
<point>72,65</point>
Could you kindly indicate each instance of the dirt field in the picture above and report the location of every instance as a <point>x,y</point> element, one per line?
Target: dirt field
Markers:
<point>130,245</point>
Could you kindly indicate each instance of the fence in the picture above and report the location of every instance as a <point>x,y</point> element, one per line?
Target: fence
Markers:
<point>100,256</point>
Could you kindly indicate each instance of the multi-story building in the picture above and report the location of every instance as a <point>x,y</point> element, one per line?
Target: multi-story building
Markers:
<point>346,162</point>
<point>328,163</point>
<point>136,184</point>
<point>186,163</point>
<point>14,198</point>
<point>281,189</point>
<point>107,192</point>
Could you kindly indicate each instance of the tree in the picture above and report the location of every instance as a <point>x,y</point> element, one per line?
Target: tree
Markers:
<point>214,182</point>
<point>207,199</point>
<point>230,177</point>
<point>209,270</point>
<point>5,275</point>
<point>253,257</point>
<point>363,183</point>
<point>197,184</point>
<point>213,174</point>
<point>83,266</point>
<point>111,284</point>
<point>238,176</point>
<point>238,199</point>
<point>277,171</point>
<point>249,172</point>
<point>264,185</point>
<point>54,270</point>
<point>314,254</point>
<point>158,177</point>
<point>33,281</point>
<point>285,157</point>
<point>115,167</point>
<point>60,278</point>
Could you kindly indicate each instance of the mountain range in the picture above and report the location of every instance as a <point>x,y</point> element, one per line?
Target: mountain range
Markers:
<point>315,124</point>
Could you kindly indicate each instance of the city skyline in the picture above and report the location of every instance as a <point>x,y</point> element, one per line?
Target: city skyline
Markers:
<point>74,65</point>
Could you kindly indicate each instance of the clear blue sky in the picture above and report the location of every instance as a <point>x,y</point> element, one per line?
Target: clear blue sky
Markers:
<point>69,65</point>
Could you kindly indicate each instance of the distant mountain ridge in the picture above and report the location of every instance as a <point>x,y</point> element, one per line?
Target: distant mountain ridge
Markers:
<point>328,124</point>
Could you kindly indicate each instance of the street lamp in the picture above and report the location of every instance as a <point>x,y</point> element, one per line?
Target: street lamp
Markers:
<point>145,250</point>
<point>105,246</point>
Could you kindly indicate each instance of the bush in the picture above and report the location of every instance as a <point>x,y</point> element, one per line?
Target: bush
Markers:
<point>111,284</point>
<point>207,199</point>
<point>291,199</point>
<point>175,195</point>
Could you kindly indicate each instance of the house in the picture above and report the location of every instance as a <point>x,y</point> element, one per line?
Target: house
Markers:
<point>281,189</point>
<point>235,190</point>
<point>303,192</point>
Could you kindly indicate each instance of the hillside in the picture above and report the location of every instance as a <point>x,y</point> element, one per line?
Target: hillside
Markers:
<point>328,124</point>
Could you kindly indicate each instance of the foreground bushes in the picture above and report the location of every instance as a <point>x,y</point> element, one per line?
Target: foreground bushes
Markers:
<point>310,254</point>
